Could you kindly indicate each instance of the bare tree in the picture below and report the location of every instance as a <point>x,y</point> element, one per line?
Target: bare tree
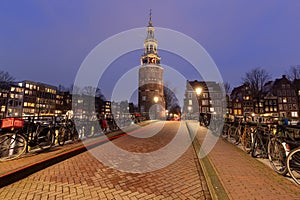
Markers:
<point>293,72</point>
<point>170,97</point>
<point>93,91</point>
<point>256,79</point>
<point>6,78</point>
<point>227,87</point>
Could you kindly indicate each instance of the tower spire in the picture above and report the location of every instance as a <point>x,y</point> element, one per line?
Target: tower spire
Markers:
<point>150,19</point>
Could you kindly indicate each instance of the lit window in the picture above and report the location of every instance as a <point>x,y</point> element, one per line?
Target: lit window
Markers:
<point>284,100</point>
<point>294,114</point>
<point>205,102</point>
<point>190,102</point>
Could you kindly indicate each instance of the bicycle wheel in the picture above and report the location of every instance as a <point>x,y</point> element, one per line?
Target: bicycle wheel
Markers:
<point>47,140</point>
<point>293,165</point>
<point>75,135</point>
<point>231,133</point>
<point>61,137</point>
<point>277,156</point>
<point>225,130</point>
<point>254,145</point>
<point>246,140</point>
<point>12,145</point>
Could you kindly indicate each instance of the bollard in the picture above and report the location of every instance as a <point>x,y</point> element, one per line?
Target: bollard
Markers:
<point>92,130</point>
<point>56,137</point>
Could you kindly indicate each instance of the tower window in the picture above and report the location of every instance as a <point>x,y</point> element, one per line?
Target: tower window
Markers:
<point>143,98</point>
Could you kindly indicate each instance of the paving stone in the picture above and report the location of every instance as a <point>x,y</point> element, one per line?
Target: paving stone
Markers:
<point>84,177</point>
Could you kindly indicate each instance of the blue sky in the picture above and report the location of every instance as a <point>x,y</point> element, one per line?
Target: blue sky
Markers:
<point>47,41</point>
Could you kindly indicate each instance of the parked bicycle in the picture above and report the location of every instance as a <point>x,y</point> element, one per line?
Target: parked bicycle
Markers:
<point>17,137</point>
<point>67,131</point>
<point>261,138</point>
<point>293,164</point>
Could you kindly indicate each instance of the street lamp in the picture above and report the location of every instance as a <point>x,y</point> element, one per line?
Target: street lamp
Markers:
<point>155,99</point>
<point>189,111</point>
<point>167,114</point>
<point>198,91</point>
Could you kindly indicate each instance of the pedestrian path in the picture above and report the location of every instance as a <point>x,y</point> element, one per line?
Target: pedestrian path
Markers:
<point>13,170</point>
<point>244,177</point>
<point>85,177</point>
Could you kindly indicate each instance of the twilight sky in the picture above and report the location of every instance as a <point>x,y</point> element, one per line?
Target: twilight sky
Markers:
<point>47,40</point>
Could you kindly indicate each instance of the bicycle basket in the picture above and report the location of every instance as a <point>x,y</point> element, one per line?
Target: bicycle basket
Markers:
<point>12,123</point>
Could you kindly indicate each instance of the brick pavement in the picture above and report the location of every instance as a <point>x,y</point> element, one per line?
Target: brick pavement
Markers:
<point>13,170</point>
<point>84,177</point>
<point>244,177</point>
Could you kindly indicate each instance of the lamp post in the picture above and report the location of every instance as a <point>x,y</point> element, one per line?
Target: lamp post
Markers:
<point>189,113</point>
<point>167,114</point>
<point>155,99</point>
<point>198,91</point>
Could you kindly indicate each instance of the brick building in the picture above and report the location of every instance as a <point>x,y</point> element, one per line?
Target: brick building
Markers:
<point>203,97</point>
<point>151,79</point>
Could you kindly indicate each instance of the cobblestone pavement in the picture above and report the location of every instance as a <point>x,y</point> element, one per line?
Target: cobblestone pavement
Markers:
<point>84,177</point>
<point>244,177</point>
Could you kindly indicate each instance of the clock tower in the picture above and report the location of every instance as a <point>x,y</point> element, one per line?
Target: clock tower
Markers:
<point>151,84</point>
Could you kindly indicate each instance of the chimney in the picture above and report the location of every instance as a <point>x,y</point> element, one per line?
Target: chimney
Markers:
<point>283,76</point>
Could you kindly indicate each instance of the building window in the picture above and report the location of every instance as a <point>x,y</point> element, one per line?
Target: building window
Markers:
<point>284,100</point>
<point>205,102</point>
<point>294,114</point>
<point>190,95</point>
<point>190,102</point>
<point>142,109</point>
<point>205,95</point>
<point>283,86</point>
<point>283,93</point>
<point>143,98</point>
<point>279,92</point>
